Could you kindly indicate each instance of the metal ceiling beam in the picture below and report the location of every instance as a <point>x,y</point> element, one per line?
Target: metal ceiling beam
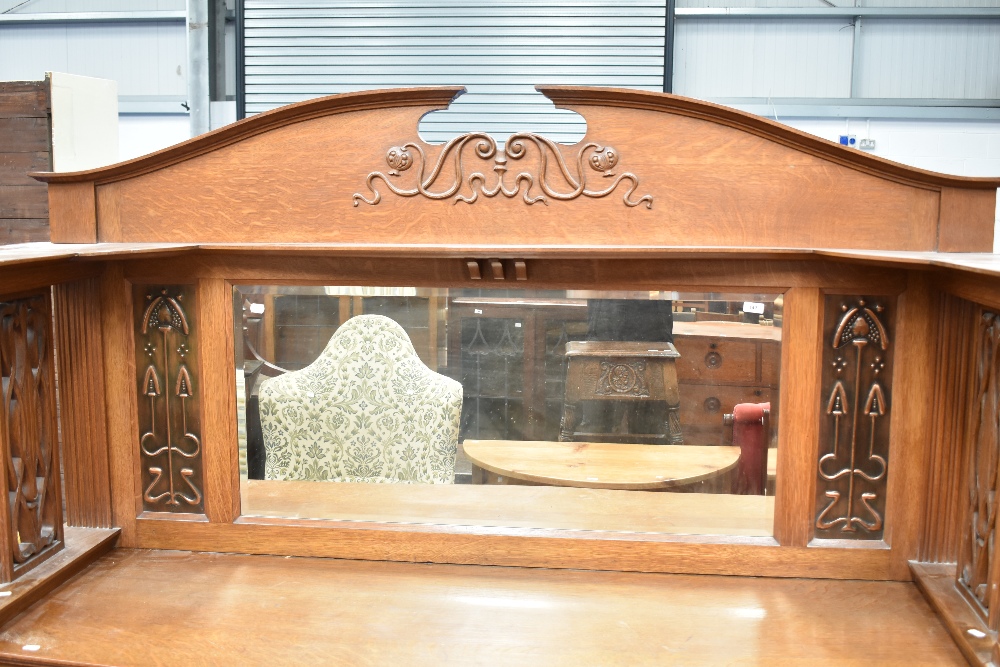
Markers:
<point>39,18</point>
<point>838,12</point>
<point>913,109</point>
<point>668,45</point>
<point>153,104</point>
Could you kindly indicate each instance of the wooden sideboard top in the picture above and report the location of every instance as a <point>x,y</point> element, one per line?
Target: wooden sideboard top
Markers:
<point>735,330</point>
<point>139,607</point>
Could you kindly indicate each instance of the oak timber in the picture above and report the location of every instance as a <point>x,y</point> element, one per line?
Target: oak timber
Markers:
<point>602,465</point>
<point>265,610</point>
<point>779,187</point>
<point>534,507</point>
<point>81,385</point>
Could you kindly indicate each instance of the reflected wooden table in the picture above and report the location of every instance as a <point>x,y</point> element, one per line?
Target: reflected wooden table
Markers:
<point>597,465</point>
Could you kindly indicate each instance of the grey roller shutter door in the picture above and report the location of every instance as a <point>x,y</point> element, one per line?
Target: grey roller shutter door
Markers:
<point>499,51</point>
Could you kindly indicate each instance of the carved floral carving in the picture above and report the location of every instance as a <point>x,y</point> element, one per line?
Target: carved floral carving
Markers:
<point>168,420</point>
<point>855,436</point>
<point>552,177</point>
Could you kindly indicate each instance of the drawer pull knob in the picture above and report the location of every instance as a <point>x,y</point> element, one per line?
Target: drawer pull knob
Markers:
<point>712,404</point>
<point>713,359</point>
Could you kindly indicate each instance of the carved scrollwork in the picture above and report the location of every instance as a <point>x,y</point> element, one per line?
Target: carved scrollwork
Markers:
<point>28,423</point>
<point>853,470</point>
<point>978,551</point>
<point>568,183</point>
<point>169,442</point>
<point>622,378</point>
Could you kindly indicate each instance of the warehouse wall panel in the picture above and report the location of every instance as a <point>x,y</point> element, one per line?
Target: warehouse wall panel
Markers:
<point>298,50</point>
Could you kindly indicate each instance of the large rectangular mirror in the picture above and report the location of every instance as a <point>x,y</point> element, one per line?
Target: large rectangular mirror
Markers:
<point>650,411</point>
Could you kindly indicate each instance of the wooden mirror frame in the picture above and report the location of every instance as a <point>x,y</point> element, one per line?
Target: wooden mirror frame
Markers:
<point>737,202</point>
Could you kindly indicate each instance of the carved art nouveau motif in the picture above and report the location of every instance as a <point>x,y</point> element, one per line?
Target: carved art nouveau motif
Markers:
<point>854,438</point>
<point>168,412</point>
<point>28,423</point>
<point>977,554</point>
<point>450,170</point>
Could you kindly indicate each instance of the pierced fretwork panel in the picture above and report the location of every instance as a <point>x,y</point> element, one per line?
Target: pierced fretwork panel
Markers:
<point>854,432</point>
<point>976,567</point>
<point>166,372</point>
<point>28,433</point>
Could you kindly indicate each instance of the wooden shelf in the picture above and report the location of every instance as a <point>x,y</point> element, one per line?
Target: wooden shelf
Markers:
<point>513,506</point>
<point>269,610</point>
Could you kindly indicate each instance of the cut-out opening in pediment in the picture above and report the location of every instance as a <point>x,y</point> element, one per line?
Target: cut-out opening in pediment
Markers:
<point>500,111</point>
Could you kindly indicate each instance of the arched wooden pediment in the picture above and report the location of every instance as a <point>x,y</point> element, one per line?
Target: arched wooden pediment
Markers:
<point>653,170</point>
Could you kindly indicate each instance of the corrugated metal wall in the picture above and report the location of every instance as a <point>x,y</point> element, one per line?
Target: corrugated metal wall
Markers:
<point>299,50</point>
<point>932,59</point>
<point>146,59</point>
<point>763,58</point>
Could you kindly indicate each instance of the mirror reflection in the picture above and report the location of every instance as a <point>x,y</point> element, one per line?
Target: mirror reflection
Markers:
<point>567,409</point>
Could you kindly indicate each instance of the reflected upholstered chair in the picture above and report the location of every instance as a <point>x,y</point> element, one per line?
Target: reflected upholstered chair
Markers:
<point>367,410</point>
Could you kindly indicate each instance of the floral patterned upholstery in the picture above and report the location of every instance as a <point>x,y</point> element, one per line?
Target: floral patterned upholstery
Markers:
<point>367,410</point>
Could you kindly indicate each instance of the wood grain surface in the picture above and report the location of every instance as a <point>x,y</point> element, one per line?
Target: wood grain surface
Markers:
<point>413,270</point>
<point>602,465</point>
<point>83,547</point>
<point>798,418</point>
<point>536,507</point>
<point>23,230</point>
<point>944,497</point>
<point>24,148</point>
<point>959,208</point>
<point>86,475</point>
<point>515,546</point>
<point>911,420</point>
<point>265,610</point>
<point>937,583</point>
<point>712,174</point>
<point>728,330</point>
<point>218,402</point>
<point>73,213</point>
<point>120,399</point>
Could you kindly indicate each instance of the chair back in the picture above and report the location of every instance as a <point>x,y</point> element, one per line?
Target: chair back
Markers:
<point>367,410</point>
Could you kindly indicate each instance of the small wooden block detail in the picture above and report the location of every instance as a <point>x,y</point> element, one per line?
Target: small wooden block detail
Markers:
<point>474,272</point>
<point>496,267</point>
<point>520,269</point>
<point>965,221</point>
<point>73,213</point>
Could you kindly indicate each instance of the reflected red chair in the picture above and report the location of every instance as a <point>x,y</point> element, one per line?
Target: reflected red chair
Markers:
<point>751,424</point>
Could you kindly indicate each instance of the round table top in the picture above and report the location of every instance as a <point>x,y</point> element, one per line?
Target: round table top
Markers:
<point>602,465</point>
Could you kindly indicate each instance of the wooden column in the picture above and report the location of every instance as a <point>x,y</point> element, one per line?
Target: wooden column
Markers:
<point>911,420</point>
<point>120,398</point>
<point>945,491</point>
<point>218,404</point>
<point>798,430</point>
<point>81,392</point>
